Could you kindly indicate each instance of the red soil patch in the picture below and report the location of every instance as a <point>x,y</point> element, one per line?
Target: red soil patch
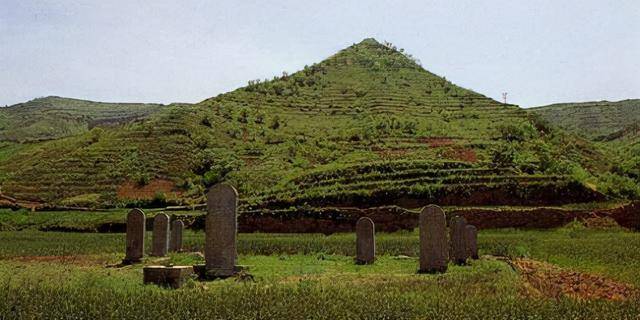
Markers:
<point>556,282</point>
<point>461,154</point>
<point>130,190</point>
<point>601,223</point>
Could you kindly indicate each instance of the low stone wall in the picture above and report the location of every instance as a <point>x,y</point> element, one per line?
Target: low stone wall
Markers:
<point>393,218</point>
<point>389,219</point>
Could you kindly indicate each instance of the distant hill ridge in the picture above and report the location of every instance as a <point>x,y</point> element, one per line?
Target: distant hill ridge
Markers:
<point>54,117</point>
<point>598,120</point>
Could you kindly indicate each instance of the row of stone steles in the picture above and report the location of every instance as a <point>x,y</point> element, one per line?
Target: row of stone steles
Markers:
<point>436,247</point>
<point>162,240</point>
<point>220,242</point>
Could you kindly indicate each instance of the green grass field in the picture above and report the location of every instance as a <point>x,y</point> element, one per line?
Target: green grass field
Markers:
<point>296,276</point>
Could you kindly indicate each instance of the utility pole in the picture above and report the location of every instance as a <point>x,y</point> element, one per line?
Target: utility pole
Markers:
<point>504,97</point>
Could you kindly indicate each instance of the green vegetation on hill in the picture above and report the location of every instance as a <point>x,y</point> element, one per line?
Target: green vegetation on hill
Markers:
<point>614,129</point>
<point>55,117</point>
<point>366,126</point>
<point>86,169</point>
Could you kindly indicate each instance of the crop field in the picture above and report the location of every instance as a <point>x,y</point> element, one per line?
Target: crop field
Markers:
<point>60,275</point>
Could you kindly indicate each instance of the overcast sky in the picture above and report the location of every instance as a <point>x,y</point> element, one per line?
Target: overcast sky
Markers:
<point>540,52</point>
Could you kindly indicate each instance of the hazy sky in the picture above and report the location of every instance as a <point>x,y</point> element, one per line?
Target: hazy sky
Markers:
<point>540,52</point>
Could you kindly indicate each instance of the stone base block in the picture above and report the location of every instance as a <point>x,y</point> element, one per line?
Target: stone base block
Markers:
<point>173,277</point>
<point>212,274</point>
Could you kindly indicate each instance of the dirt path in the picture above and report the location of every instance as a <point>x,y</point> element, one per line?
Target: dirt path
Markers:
<point>552,281</point>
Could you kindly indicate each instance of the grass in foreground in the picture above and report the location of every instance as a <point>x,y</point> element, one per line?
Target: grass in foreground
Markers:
<point>64,275</point>
<point>290,287</point>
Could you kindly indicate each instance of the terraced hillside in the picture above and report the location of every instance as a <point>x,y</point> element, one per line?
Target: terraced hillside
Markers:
<point>601,120</point>
<point>92,168</point>
<point>365,127</point>
<point>55,117</point>
<point>614,128</point>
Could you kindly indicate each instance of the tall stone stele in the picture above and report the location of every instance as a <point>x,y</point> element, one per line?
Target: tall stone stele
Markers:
<point>160,235</point>
<point>471,234</point>
<point>175,243</point>
<point>221,229</point>
<point>434,246</point>
<point>136,222</point>
<point>365,241</point>
<point>459,252</point>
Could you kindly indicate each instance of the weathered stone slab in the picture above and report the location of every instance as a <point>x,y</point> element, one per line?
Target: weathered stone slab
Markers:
<point>433,240</point>
<point>173,277</point>
<point>459,253</point>
<point>220,228</point>
<point>136,222</point>
<point>471,234</point>
<point>160,235</point>
<point>175,243</point>
<point>365,241</point>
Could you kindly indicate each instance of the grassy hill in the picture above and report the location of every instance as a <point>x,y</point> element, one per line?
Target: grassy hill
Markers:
<point>614,127</point>
<point>367,126</point>
<point>602,120</point>
<point>55,117</point>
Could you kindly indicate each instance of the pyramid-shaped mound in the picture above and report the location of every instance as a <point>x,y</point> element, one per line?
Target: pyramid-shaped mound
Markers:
<point>368,126</point>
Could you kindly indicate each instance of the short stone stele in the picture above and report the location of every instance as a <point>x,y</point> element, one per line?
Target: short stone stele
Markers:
<point>434,247</point>
<point>471,234</point>
<point>365,241</point>
<point>175,243</point>
<point>136,222</point>
<point>459,253</point>
<point>160,235</point>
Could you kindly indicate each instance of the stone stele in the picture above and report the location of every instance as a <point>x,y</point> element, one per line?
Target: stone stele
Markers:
<point>434,255</point>
<point>365,241</point>
<point>221,228</point>
<point>160,235</point>
<point>136,224</point>
<point>459,253</point>
<point>175,243</point>
<point>471,234</point>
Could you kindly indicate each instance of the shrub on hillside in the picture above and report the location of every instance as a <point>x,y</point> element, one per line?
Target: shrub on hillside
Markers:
<point>219,166</point>
<point>96,133</point>
<point>275,123</point>
<point>517,132</point>
<point>619,186</point>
